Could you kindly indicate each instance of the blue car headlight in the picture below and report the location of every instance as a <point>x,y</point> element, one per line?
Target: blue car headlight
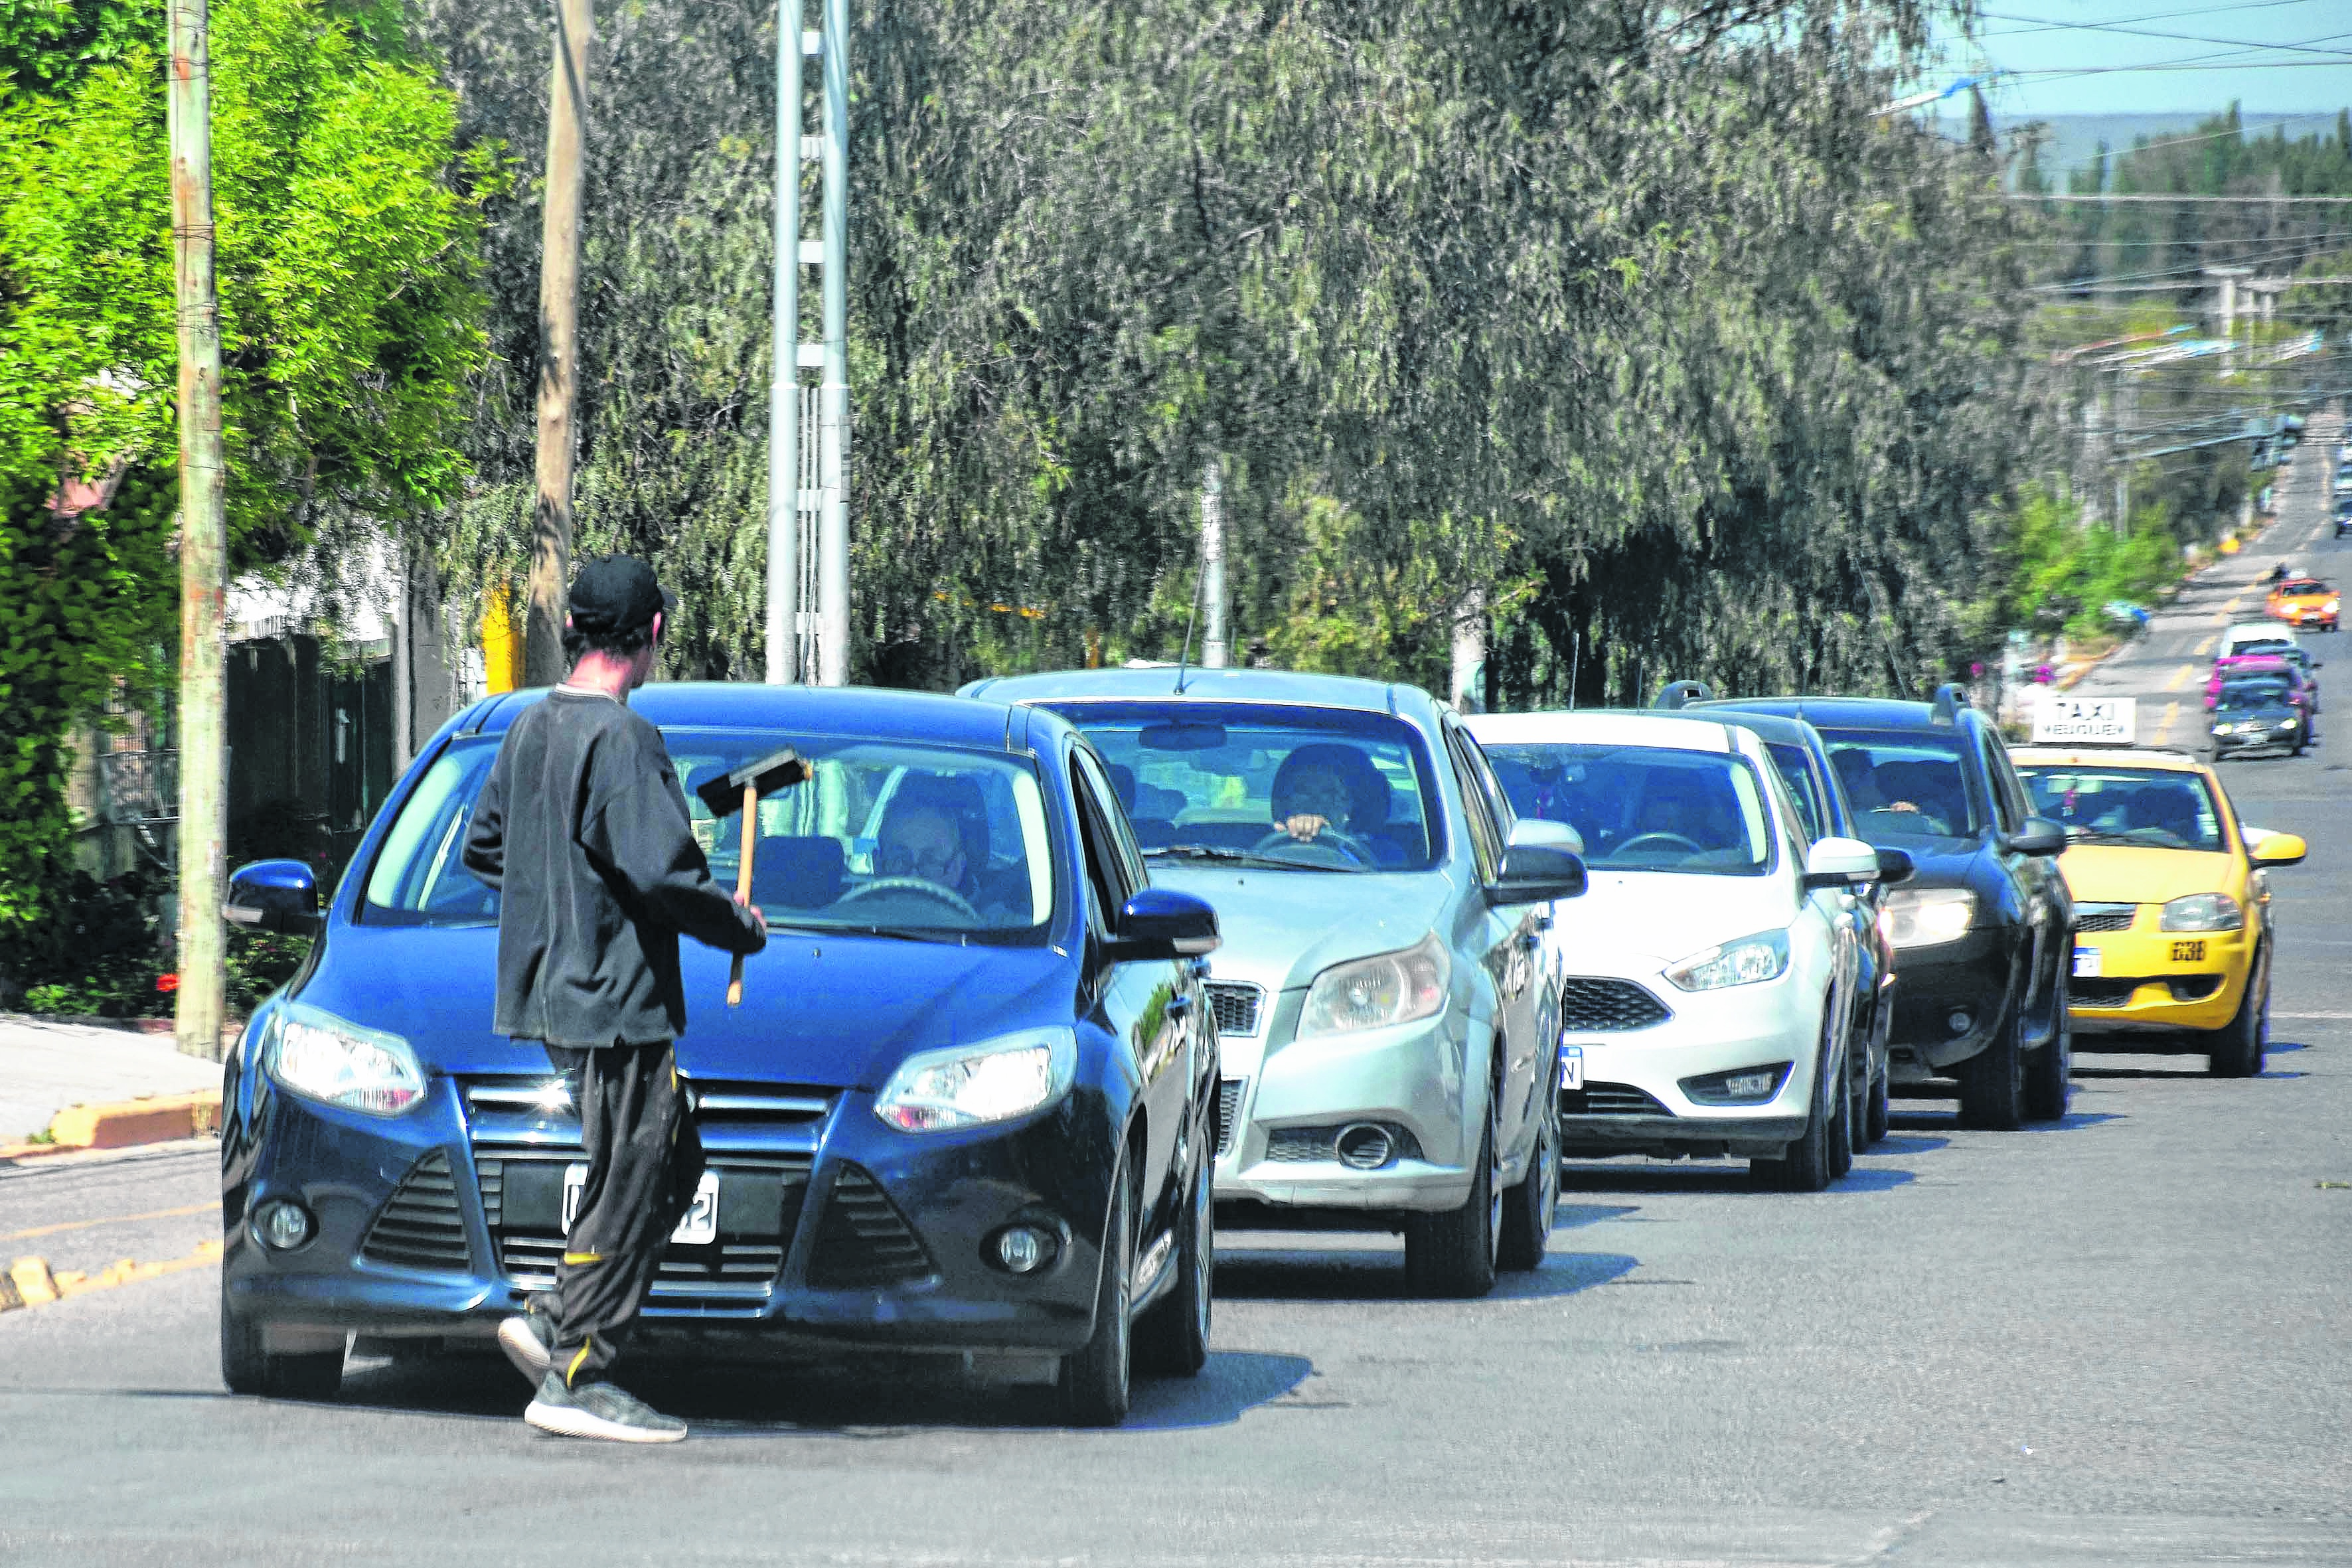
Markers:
<point>337,1062</point>
<point>989,1080</point>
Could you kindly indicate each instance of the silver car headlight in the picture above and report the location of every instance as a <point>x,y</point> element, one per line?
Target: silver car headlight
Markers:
<point>989,1080</point>
<point>1748,961</point>
<point>1922,917</point>
<point>1373,993</point>
<point>2202,911</point>
<point>337,1062</point>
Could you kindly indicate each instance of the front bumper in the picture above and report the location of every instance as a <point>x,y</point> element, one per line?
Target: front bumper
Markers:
<point>1633,1101</point>
<point>832,1230</point>
<point>1949,1000</point>
<point>2273,739</point>
<point>2152,981</point>
<point>1417,1080</point>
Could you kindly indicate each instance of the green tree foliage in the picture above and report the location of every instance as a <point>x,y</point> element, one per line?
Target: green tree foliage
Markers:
<point>346,260</point>
<point>1637,325</point>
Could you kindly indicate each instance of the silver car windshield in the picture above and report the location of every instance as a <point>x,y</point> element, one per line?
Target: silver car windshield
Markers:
<point>1314,789</point>
<point>1644,808</point>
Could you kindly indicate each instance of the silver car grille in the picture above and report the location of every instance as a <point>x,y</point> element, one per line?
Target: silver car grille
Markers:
<point>1596,1006</point>
<point>1236,1006</point>
<point>2104,917</point>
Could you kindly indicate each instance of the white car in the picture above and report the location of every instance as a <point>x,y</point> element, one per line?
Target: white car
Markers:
<point>2248,633</point>
<point>1711,1006</point>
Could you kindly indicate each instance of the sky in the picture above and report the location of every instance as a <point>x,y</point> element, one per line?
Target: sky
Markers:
<point>2045,42</point>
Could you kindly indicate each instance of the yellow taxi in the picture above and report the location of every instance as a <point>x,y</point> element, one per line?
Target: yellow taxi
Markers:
<point>2172,906</point>
<point>2303,602</point>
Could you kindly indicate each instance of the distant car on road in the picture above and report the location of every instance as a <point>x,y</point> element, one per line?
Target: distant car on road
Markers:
<point>1385,1013</point>
<point>1981,929</point>
<point>2173,923</point>
<point>1716,996</point>
<point>966,1106</point>
<point>2301,692</point>
<point>2305,602</point>
<point>2255,636</point>
<point>2343,516</point>
<point>2259,713</point>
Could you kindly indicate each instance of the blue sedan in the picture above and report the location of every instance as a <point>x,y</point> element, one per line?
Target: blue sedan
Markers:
<point>968,1103</point>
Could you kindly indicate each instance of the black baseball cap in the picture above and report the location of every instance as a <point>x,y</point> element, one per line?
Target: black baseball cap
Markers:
<point>617,593</point>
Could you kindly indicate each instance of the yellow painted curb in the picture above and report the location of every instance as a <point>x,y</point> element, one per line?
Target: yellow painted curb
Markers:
<point>158,1119</point>
<point>29,1283</point>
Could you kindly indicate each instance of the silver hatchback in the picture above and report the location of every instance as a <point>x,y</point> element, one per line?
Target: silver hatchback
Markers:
<point>1386,1023</point>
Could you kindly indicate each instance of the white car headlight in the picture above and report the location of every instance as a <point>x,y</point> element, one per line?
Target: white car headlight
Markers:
<point>2202,911</point>
<point>1372,993</point>
<point>973,1085</point>
<point>1922,917</point>
<point>337,1062</point>
<point>1764,956</point>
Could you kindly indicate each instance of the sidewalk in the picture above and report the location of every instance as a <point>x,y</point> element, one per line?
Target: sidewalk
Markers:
<point>45,1067</point>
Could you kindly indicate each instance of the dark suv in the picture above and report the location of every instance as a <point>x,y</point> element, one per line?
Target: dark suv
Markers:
<point>1983,930</point>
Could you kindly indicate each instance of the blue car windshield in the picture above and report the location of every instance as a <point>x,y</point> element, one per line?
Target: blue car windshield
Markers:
<point>1643,808</point>
<point>1320,789</point>
<point>892,836</point>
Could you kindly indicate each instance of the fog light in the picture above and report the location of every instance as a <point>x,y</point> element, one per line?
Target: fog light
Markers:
<point>1959,1022</point>
<point>284,1226</point>
<point>1750,1085</point>
<point>1023,1248</point>
<point>1364,1146</point>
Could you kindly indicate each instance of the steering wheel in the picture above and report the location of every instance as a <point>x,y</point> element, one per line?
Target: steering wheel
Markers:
<point>923,886</point>
<point>1666,838</point>
<point>1354,849</point>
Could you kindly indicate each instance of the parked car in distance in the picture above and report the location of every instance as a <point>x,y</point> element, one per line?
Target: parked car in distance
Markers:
<point>1714,1001</point>
<point>1981,929</point>
<point>965,1107</point>
<point>2173,923</point>
<point>1384,1013</point>
<point>2259,713</point>
<point>2305,602</point>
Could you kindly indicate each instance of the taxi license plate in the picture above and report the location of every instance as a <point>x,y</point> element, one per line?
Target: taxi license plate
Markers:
<point>2087,963</point>
<point>700,1227</point>
<point>2188,951</point>
<point>1572,1066</point>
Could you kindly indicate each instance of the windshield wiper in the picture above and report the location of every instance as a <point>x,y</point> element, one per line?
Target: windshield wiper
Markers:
<point>1239,857</point>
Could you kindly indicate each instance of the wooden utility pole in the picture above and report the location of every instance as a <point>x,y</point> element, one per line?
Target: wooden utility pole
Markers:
<point>199,1001</point>
<point>559,335</point>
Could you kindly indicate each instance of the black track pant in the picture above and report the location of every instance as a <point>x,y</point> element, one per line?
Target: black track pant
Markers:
<point>644,1162</point>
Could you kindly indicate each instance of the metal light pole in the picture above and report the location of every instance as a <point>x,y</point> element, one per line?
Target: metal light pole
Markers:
<point>833,538</point>
<point>201,998</point>
<point>1212,567</point>
<point>784,364</point>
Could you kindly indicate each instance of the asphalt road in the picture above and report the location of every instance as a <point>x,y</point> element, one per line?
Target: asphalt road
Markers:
<point>2120,1340</point>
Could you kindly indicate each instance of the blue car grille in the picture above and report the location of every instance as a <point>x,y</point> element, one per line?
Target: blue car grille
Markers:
<point>861,1238</point>
<point>420,1226</point>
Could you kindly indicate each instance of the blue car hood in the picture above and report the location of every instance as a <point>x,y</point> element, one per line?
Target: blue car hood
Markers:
<point>836,1011</point>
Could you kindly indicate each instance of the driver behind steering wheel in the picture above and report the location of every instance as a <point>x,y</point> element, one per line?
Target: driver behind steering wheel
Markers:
<point>1332,788</point>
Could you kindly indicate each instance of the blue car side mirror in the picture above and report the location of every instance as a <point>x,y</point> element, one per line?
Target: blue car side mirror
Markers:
<point>274,895</point>
<point>1160,922</point>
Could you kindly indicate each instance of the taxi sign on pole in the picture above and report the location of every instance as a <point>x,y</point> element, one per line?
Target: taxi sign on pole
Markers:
<point>2061,720</point>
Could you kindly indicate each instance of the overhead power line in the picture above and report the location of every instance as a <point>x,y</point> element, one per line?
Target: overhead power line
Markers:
<point>2151,17</point>
<point>2162,196</point>
<point>2175,38</point>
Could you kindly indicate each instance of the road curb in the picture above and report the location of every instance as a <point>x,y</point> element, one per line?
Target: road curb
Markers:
<point>157,1119</point>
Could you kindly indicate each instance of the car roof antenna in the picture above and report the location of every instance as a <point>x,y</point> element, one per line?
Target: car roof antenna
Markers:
<point>1199,578</point>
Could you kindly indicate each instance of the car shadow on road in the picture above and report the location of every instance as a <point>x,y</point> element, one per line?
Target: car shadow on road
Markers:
<point>1297,1269</point>
<point>868,1399</point>
<point>2072,1122</point>
<point>1719,1176</point>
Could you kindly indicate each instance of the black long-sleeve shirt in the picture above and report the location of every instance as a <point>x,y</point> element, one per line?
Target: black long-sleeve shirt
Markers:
<point>584,831</point>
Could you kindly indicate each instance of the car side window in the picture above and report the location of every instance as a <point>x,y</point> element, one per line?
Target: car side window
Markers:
<point>1103,894</point>
<point>1125,852</point>
<point>2008,794</point>
<point>1486,836</point>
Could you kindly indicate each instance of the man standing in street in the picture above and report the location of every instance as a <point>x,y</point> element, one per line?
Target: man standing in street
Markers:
<point>583,830</point>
